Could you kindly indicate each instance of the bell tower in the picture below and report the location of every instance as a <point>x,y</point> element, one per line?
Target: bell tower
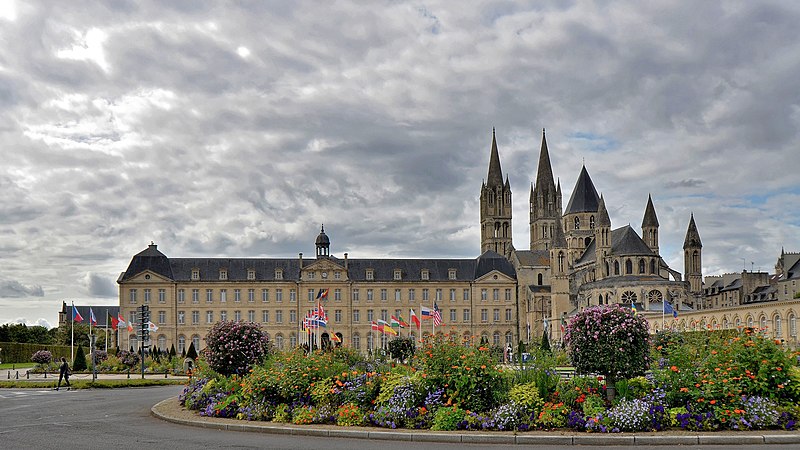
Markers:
<point>495,207</point>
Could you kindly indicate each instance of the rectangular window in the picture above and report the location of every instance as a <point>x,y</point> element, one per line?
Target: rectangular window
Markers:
<point>384,295</point>
<point>223,274</point>
<point>292,316</point>
<point>265,295</point>
<point>355,295</point>
<point>251,295</point>
<point>452,295</point>
<point>484,315</point>
<point>369,295</point>
<point>265,315</point>
<point>162,296</point>
<point>292,295</point>
<point>181,296</point>
<point>195,317</point>
<point>251,315</point>
<point>508,315</point>
<point>132,296</point>
<point>495,294</point>
<point>451,274</point>
<point>370,275</point>
<point>195,274</point>
<point>484,295</point>
<point>398,274</point>
<point>278,295</point>
<point>195,295</point>
<point>397,296</point>
<point>337,275</point>
<point>466,295</point>
<point>496,315</point>
<point>337,316</point>
<point>425,295</point>
<point>452,315</point>
<point>162,317</point>
<point>279,316</point>
<point>411,295</point>
<point>209,295</point>
<point>337,295</point>
<point>237,315</point>
<point>384,315</point>
<point>251,274</point>
<point>209,316</point>
<point>310,275</point>
<point>508,295</point>
<point>467,315</point>
<point>425,275</point>
<point>278,274</point>
<point>356,316</point>
<point>223,295</point>
<point>438,295</point>
<point>237,295</point>
<point>370,315</point>
<point>181,317</point>
<point>223,315</point>
<point>146,296</point>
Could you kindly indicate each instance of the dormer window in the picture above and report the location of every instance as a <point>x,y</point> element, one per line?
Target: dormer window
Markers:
<point>251,274</point>
<point>278,274</point>
<point>337,275</point>
<point>425,275</point>
<point>398,274</point>
<point>370,274</point>
<point>451,274</point>
<point>310,275</point>
<point>195,274</point>
<point>223,274</point>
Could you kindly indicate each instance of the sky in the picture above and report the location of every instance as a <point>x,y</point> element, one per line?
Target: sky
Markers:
<point>238,129</point>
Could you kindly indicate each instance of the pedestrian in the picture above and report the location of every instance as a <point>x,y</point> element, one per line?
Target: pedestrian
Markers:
<point>63,372</point>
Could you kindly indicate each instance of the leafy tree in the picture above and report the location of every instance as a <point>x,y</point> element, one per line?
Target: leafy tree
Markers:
<point>64,335</point>
<point>402,348</point>
<point>609,340</point>
<point>234,346</point>
<point>80,360</point>
<point>191,353</point>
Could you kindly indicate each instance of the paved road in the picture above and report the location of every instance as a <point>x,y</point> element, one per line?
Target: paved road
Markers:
<point>120,418</point>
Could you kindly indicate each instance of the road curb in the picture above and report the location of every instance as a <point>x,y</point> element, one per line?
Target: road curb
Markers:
<point>160,411</point>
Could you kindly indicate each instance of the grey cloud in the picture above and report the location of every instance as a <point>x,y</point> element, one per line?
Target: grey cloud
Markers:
<point>687,183</point>
<point>15,289</point>
<point>98,285</point>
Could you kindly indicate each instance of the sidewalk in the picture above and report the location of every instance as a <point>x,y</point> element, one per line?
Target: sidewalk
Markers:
<point>170,410</point>
<point>9,374</point>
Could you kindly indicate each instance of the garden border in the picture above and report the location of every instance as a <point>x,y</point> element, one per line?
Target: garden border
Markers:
<point>170,410</point>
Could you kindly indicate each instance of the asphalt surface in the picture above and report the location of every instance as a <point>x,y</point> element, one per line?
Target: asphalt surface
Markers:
<point>121,418</point>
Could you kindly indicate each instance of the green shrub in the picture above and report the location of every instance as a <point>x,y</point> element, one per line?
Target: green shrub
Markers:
<point>447,419</point>
<point>79,365</point>
<point>282,414</point>
<point>303,415</point>
<point>527,396</point>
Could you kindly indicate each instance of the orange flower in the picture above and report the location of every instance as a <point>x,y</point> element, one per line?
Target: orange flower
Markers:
<point>674,369</point>
<point>684,389</point>
<point>483,366</point>
<point>713,402</point>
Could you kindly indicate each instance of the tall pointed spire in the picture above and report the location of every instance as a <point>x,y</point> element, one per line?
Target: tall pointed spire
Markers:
<point>544,172</point>
<point>495,177</point>
<point>692,236</point>
<point>650,219</point>
<point>545,202</point>
<point>584,197</point>
<point>602,214</point>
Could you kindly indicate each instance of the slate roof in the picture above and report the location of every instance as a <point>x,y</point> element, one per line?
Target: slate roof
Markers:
<point>624,242</point>
<point>794,272</point>
<point>584,198</point>
<point>544,171</point>
<point>735,284</point>
<point>533,258</point>
<point>99,313</point>
<point>650,219</point>
<point>495,176</point>
<point>692,236</point>
<point>180,269</point>
<point>602,214</point>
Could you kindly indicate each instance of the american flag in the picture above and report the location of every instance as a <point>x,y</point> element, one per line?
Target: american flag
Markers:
<point>437,315</point>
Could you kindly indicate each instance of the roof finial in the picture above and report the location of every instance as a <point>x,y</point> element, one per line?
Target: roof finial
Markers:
<point>323,228</point>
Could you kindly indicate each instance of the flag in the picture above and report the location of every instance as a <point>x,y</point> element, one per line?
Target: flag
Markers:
<point>375,326</point>
<point>402,321</point>
<point>121,320</point>
<point>91,317</point>
<point>395,323</point>
<point>668,309</point>
<point>76,316</point>
<point>414,318</point>
<point>112,320</point>
<point>323,293</point>
<point>437,315</point>
<point>335,338</point>
<point>386,328</point>
<point>426,312</point>
<point>151,327</point>
<point>633,308</point>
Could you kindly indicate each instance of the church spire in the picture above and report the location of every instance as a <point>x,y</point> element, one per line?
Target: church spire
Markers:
<point>692,236</point>
<point>495,177</point>
<point>544,172</point>
<point>650,219</point>
<point>545,202</point>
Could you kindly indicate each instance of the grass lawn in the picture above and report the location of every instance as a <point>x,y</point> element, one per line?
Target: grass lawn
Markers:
<point>16,366</point>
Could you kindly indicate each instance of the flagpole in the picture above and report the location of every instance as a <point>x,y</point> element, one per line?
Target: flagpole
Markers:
<point>72,336</point>
<point>106,330</point>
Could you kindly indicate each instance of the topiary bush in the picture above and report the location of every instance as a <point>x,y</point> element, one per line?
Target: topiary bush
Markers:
<point>233,346</point>
<point>609,340</point>
<point>80,360</point>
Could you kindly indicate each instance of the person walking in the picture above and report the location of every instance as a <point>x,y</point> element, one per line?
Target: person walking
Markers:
<point>63,373</point>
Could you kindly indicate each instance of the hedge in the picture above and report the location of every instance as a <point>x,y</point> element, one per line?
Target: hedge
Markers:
<point>15,352</point>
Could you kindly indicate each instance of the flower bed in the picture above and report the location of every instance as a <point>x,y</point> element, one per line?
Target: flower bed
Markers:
<point>698,382</point>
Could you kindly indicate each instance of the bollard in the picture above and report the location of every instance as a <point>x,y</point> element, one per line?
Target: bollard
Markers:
<point>165,374</point>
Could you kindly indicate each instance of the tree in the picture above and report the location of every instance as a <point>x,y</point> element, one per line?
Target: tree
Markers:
<point>545,342</point>
<point>80,360</point>
<point>191,353</point>
<point>609,340</point>
<point>401,348</point>
<point>172,352</point>
<point>232,347</point>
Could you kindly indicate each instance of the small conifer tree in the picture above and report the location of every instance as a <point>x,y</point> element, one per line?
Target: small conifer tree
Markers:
<point>191,353</point>
<point>80,360</point>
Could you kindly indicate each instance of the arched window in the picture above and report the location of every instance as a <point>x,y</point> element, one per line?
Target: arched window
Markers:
<point>577,223</point>
<point>599,299</point>
<point>605,272</point>
<point>763,322</point>
<point>509,338</point>
<point>591,222</point>
<point>370,342</point>
<point>616,267</point>
<point>292,340</point>
<point>357,341</point>
<point>628,297</point>
<point>181,344</point>
<point>196,342</point>
<point>652,266</point>
<point>792,325</point>
<point>778,326</point>
<point>540,279</point>
<point>641,266</point>
<point>628,267</point>
<point>560,261</point>
<point>496,339</point>
<point>162,342</point>
<point>750,321</point>
<point>279,341</point>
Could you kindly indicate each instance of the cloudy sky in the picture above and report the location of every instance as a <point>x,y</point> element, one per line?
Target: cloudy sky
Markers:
<point>221,130</point>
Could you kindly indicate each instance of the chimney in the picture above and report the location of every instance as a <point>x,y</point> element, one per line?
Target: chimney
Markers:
<point>345,261</point>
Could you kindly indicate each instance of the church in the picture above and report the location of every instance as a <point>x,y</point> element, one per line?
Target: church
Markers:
<point>575,258</point>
